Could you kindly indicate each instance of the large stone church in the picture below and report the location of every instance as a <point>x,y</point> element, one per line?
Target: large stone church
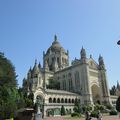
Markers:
<point>83,80</point>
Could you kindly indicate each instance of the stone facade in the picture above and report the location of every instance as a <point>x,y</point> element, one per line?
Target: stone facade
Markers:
<point>83,80</point>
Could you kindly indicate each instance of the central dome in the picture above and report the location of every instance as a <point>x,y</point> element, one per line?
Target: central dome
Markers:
<point>55,47</point>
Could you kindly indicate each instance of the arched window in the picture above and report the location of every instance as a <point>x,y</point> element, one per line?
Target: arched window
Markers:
<point>69,100</point>
<point>64,83</point>
<point>76,100</point>
<point>62,100</point>
<point>50,100</point>
<point>73,101</point>
<point>58,60</point>
<point>54,100</point>
<point>58,100</point>
<point>70,81</point>
<point>79,100</point>
<point>77,80</point>
<point>65,100</point>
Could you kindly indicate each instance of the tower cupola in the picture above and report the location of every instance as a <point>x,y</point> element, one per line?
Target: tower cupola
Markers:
<point>56,57</point>
<point>101,62</point>
<point>83,53</point>
<point>36,70</point>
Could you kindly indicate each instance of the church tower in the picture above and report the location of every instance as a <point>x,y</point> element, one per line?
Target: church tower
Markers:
<point>86,90</point>
<point>56,58</point>
<point>103,81</point>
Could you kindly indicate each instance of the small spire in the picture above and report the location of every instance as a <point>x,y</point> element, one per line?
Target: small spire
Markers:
<point>35,61</point>
<point>39,65</point>
<point>43,53</point>
<point>118,84</point>
<point>90,56</point>
<point>55,38</point>
<point>83,53</point>
<point>82,48</point>
<point>30,68</point>
<point>67,51</point>
<point>100,56</point>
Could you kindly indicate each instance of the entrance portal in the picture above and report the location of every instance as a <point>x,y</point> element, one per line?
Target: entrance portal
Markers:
<point>95,94</point>
<point>40,104</point>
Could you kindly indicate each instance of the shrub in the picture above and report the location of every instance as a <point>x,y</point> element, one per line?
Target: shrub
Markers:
<point>109,106</point>
<point>62,110</point>
<point>75,114</point>
<point>118,104</point>
<point>113,112</point>
<point>87,108</point>
<point>101,107</point>
<point>94,114</point>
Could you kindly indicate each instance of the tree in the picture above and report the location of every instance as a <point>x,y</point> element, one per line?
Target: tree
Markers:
<point>8,91</point>
<point>29,100</point>
<point>77,106</point>
<point>62,110</point>
<point>7,72</point>
<point>113,90</point>
<point>53,84</point>
<point>118,104</point>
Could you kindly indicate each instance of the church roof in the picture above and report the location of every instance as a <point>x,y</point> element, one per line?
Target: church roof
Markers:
<point>56,46</point>
<point>60,92</point>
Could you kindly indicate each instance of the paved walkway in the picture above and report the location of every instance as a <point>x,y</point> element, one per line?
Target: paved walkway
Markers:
<point>65,118</point>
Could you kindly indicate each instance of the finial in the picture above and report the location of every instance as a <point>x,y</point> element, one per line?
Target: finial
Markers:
<point>82,47</point>
<point>30,68</point>
<point>55,38</point>
<point>118,42</point>
<point>100,55</point>
<point>118,84</point>
<point>90,56</point>
<point>39,65</point>
<point>35,61</point>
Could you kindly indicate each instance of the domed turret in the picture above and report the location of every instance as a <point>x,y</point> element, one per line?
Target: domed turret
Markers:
<point>36,70</point>
<point>55,47</point>
<point>29,73</point>
<point>56,56</point>
<point>83,55</point>
<point>101,62</point>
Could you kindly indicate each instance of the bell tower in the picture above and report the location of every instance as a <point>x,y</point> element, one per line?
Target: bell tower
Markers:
<point>103,81</point>
<point>86,90</point>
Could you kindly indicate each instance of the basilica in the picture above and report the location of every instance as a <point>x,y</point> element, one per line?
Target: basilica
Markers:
<point>60,83</point>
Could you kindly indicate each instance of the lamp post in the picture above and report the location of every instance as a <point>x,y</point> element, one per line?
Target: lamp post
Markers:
<point>118,42</point>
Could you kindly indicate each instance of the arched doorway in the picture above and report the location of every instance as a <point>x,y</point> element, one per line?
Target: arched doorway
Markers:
<point>95,94</point>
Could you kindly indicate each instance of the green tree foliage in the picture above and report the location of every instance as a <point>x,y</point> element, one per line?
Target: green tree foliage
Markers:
<point>62,110</point>
<point>29,100</point>
<point>118,104</point>
<point>21,100</point>
<point>53,84</point>
<point>8,92</point>
<point>76,106</point>
<point>7,72</point>
<point>113,90</point>
<point>87,108</point>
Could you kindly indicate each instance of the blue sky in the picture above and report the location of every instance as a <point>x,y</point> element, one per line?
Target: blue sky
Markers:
<point>27,28</point>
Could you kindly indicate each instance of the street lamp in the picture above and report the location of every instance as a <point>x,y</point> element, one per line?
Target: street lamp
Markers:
<point>118,42</point>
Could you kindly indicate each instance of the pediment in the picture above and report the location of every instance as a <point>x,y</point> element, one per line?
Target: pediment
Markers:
<point>92,64</point>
